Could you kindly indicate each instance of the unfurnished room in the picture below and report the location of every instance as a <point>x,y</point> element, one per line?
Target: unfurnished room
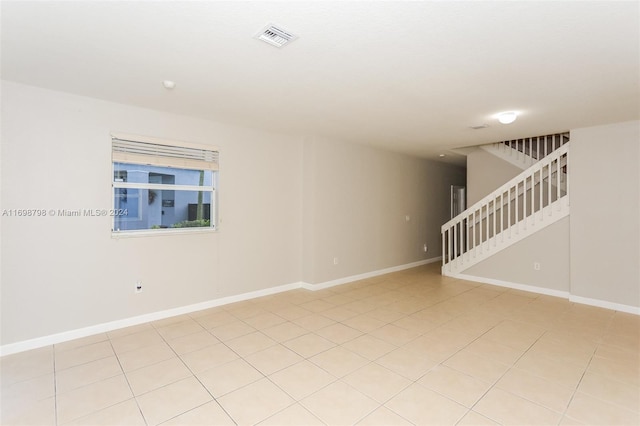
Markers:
<point>319,213</point>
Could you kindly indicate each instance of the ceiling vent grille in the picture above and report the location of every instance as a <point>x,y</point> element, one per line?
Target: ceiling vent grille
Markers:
<point>275,36</point>
<point>479,126</point>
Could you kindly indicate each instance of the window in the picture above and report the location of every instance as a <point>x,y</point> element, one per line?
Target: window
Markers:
<point>160,186</point>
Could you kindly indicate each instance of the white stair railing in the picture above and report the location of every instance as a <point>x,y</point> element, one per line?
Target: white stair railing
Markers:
<point>536,198</point>
<point>527,151</point>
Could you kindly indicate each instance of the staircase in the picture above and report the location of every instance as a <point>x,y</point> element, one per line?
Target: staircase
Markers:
<point>533,200</point>
<point>523,153</point>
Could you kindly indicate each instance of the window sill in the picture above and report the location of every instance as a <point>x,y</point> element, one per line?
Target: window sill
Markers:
<point>161,232</point>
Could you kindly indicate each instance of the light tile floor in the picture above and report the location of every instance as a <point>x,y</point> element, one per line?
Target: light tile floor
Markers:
<point>411,347</point>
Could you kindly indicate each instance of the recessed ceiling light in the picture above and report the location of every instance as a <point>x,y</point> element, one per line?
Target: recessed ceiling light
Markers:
<point>168,84</point>
<point>442,155</point>
<point>507,117</point>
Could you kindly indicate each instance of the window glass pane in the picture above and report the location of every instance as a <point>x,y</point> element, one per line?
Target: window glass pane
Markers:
<point>162,209</point>
<point>127,202</point>
<point>163,175</point>
<point>146,208</point>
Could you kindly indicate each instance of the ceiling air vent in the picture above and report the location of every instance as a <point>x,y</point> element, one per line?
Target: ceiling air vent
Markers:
<point>479,126</point>
<point>275,36</point>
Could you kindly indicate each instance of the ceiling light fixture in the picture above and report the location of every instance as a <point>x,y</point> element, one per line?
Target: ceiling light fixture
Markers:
<point>442,155</point>
<point>168,84</point>
<point>507,117</point>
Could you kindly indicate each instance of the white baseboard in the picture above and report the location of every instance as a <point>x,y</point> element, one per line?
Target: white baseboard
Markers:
<point>65,336</point>
<point>605,304</point>
<point>551,292</point>
<point>339,281</point>
<point>515,286</point>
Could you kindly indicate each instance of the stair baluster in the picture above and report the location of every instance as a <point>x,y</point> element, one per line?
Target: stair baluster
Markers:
<point>496,221</point>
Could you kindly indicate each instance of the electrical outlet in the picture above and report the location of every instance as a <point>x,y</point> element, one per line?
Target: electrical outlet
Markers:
<point>536,266</point>
<point>425,248</point>
<point>138,287</point>
<point>335,260</point>
<point>407,218</point>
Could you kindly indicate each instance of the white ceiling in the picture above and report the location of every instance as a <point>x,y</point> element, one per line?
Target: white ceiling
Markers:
<point>409,76</point>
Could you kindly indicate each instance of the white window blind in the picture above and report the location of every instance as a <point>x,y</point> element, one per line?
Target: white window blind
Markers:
<point>139,150</point>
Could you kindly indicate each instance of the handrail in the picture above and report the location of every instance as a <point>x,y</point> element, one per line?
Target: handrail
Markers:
<point>526,201</point>
<point>536,147</point>
<point>518,178</point>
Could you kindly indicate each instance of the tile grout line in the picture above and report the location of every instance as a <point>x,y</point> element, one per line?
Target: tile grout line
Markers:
<point>493,385</point>
<point>308,359</point>
<point>133,395</point>
<point>55,386</point>
<point>407,288</point>
<point>193,374</point>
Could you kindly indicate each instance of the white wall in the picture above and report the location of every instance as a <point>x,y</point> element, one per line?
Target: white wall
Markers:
<point>356,200</point>
<point>65,273</point>
<point>288,205</point>
<point>549,247</point>
<point>485,173</point>
<point>601,246</point>
<point>605,213</point>
<point>514,265</point>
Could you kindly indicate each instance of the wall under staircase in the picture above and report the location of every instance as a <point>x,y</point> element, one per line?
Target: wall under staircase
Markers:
<point>601,237</point>
<point>516,266</point>
<point>501,224</point>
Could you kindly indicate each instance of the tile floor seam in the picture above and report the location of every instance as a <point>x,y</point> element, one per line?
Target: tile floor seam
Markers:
<point>448,397</point>
<point>76,419</point>
<point>411,383</point>
<point>295,399</point>
<point>561,413</point>
<point>469,410</point>
<point>487,415</point>
<point>369,413</point>
<point>55,387</point>
<point>610,402</point>
<point>186,366</point>
<point>133,395</point>
<point>225,410</point>
<point>603,337</point>
<point>286,408</point>
<point>494,384</point>
<point>330,384</point>
<point>238,388</point>
<point>569,405</point>
<point>429,389</point>
<point>637,411</point>
<point>308,358</point>
<point>336,379</point>
<point>210,331</point>
<point>87,362</point>
<point>88,383</point>
<point>189,410</point>
<point>576,390</point>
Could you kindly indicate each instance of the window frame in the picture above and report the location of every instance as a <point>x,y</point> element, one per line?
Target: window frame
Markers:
<point>209,162</point>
